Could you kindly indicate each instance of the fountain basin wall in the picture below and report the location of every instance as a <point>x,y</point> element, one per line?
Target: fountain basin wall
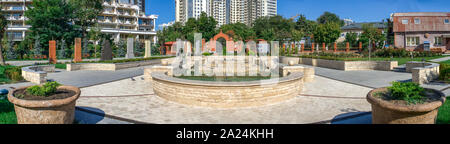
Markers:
<point>226,94</point>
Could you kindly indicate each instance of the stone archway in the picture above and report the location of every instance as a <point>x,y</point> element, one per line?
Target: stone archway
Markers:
<point>228,39</point>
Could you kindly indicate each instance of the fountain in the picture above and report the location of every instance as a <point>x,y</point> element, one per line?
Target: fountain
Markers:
<point>226,81</point>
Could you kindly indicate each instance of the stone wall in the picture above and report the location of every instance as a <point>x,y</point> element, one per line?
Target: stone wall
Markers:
<point>37,74</point>
<point>107,66</point>
<point>343,65</point>
<point>308,72</point>
<point>227,94</point>
<point>423,72</point>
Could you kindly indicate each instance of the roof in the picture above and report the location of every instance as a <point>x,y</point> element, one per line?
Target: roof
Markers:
<point>422,14</point>
<point>358,26</point>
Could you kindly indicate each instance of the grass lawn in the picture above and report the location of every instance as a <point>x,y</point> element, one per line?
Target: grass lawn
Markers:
<point>7,114</point>
<point>446,62</point>
<point>444,113</point>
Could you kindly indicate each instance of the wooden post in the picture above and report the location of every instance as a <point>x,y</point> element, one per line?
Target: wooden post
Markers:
<point>360,46</point>
<point>284,49</point>
<point>303,47</point>
<point>52,52</point>
<point>77,55</point>
<point>335,47</point>
<point>323,47</point>
<point>347,47</point>
<point>294,51</point>
<point>312,47</point>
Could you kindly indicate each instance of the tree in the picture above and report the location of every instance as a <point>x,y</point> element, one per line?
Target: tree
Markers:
<point>351,38</point>
<point>86,15</point>
<point>329,17</point>
<point>50,20</point>
<point>305,26</point>
<point>273,28</point>
<point>3,23</point>
<point>95,35</point>
<point>204,24</point>
<point>238,31</point>
<point>327,33</point>
<point>372,34</point>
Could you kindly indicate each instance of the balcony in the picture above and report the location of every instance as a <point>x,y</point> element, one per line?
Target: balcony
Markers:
<point>16,18</point>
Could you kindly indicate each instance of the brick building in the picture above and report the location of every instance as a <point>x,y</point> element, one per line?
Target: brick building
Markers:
<point>413,30</point>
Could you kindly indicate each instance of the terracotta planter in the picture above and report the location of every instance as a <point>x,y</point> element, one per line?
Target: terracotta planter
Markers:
<point>385,112</point>
<point>60,111</point>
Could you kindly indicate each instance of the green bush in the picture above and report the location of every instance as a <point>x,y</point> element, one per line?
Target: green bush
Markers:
<point>46,90</point>
<point>403,53</point>
<point>410,92</point>
<point>444,72</point>
<point>14,73</point>
<point>207,54</point>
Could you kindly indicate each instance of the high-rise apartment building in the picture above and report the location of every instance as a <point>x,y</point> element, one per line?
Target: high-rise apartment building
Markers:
<point>226,11</point>
<point>121,18</point>
<point>185,9</point>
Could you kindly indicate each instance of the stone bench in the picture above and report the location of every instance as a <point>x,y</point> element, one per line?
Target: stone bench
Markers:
<point>423,72</point>
<point>37,74</point>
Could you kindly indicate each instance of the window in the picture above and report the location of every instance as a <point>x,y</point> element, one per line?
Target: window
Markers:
<point>437,41</point>
<point>405,21</point>
<point>412,41</point>
<point>446,21</point>
<point>417,21</point>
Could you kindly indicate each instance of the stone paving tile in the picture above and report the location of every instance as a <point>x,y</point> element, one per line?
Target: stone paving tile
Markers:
<point>153,109</point>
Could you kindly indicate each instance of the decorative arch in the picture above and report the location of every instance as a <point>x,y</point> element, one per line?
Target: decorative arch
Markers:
<point>228,39</point>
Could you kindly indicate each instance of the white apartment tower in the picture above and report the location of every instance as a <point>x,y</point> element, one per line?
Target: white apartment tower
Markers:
<point>226,11</point>
<point>185,9</point>
<point>121,18</point>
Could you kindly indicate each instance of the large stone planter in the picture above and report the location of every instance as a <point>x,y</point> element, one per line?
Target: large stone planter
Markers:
<point>385,112</point>
<point>60,111</point>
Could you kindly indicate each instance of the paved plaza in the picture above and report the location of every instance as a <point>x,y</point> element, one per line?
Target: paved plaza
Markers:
<point>124,97</point>
<point>137,102</point>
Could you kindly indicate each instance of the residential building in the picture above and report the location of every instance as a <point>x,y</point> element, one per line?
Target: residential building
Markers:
<point>358,29</point>
<point>348,21</point>
<point>121,18</point>
<point>14,11</point>
<point>225,11</point>
<point>413,30</point>
<point>185,9</point>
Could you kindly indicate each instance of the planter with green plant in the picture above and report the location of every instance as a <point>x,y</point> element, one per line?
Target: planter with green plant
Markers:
<point>405,103</point>
<point>50,103</point>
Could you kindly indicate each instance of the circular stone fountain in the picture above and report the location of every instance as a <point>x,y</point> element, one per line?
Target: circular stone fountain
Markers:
<point>220,94</point>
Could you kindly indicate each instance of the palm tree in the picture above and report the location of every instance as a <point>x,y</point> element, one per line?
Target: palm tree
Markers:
<point>3,24</point>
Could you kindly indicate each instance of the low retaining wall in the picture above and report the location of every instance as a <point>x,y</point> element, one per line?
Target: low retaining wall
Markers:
<point>227,94</point>
<point>423,72</point>
<point>37,74</point>
<point>108,66</point>
<point>343,65</point>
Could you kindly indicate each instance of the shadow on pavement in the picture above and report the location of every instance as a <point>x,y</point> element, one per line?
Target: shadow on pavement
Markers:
<point>353,118</point>
<point>88,115</point>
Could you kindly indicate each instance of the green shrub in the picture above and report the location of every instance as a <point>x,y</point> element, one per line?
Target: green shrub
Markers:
<point>14,73</point>
<point>207,54</point>
<point>403,53</point>
<point>410,92</point>
<point>46,90</point>
<point>444,72</point>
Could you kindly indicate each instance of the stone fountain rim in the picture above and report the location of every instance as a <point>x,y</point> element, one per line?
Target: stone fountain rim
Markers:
<point>162,76</point>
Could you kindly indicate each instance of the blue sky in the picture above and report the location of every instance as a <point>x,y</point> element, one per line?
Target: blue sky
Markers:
<point>358,10</point>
